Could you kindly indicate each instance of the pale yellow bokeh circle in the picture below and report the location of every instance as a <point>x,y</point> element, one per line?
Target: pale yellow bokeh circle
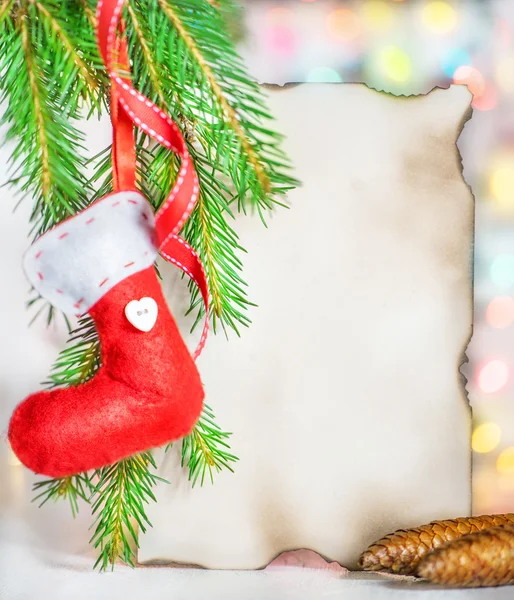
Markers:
<point>377,14</point>
<point>505,462</point>
<point>439,16</point>
<point>486,437</point>
<point>395,63</point>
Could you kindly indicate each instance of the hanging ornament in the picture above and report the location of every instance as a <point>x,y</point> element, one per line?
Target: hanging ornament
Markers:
<point>148,390</point>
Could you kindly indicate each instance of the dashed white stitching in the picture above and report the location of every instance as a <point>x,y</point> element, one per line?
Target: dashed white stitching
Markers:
<point>146,128</point>
<point>79,219</point>
<point>186,213</point>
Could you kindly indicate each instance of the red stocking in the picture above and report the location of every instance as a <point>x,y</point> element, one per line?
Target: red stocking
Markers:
<point>148,391</point>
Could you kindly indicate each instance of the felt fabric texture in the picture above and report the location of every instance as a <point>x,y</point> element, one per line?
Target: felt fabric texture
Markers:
<point>74,264</point>
<point>147,392</point>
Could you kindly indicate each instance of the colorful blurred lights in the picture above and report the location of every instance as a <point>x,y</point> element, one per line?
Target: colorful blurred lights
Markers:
<point>486,438</point>
<point>439,17</point>
<point>502,186</point>
<point>279,15</point>
<point>471,77</point>
<point>455,58</point>
<point>323,75</point>
<point>502,271</point>
<point>500,312</point>
<point>493,376</point>
<point>487,100</point>
<point>377,14</point>
<point>395,63</point>
<point>505,461</point>
<point>485,96</point>
<point>282,39</point>
<point>343,24</point>
<point>505,73</point>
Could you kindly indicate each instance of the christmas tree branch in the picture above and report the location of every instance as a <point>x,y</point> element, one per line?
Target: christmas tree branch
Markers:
<point>67,488</point>
<point>227,110</point>
<point>39,117</point>
<point>47,156</point>
<point>118,500</point>
<point>80,360</point>
<point>4,9</point>
<point>206,450</point>
<point>148,59</point>
<point>70,48</point>
<point>90,15</point>
<point>228,105</point>
<point>209,229</point>
<point>217,244</point>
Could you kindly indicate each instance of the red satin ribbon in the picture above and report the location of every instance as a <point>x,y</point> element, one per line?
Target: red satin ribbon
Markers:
<point>128,108</point>
<point>123,145</point>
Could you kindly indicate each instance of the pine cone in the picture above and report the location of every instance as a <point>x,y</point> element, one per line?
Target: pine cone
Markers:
<point>482,559</point>
<point>401,552</point>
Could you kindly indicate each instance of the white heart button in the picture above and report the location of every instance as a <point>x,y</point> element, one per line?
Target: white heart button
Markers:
<point>142,314</point>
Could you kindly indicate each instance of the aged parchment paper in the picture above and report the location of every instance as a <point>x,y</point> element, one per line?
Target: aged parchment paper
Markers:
<point>348,410</point>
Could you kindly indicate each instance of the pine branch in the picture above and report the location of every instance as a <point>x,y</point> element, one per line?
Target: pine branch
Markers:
<point>5,8</point>
<point>90,84</point>
<point>80,360</point>
<point>218,246</point>
<point>36,92</point>
<point>119,500</point>
<point>65,488</point>
<point>209,229</point>
<point>51,311</point>
<point>230,108</point>
<point>89,14</point>
<point>180,22</point>
<point>42,96</point>
<point>205,450</point>
<point>149,62</point>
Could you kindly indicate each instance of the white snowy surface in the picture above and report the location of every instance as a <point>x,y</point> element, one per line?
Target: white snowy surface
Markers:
<point>44,555</point>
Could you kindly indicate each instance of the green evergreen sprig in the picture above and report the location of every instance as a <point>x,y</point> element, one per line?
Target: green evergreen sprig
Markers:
<point>70,488</point>
<point>80,360</point>
<point>118,502</point>
<point>206,451</point>
<point>187,48</point>
<point>43,79</point>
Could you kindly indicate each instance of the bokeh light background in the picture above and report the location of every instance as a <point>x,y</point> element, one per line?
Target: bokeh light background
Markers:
<point>408,47</point>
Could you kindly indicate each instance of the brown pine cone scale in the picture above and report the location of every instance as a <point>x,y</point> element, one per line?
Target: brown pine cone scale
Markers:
<point>482,559</point>
<point>400,552</point>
